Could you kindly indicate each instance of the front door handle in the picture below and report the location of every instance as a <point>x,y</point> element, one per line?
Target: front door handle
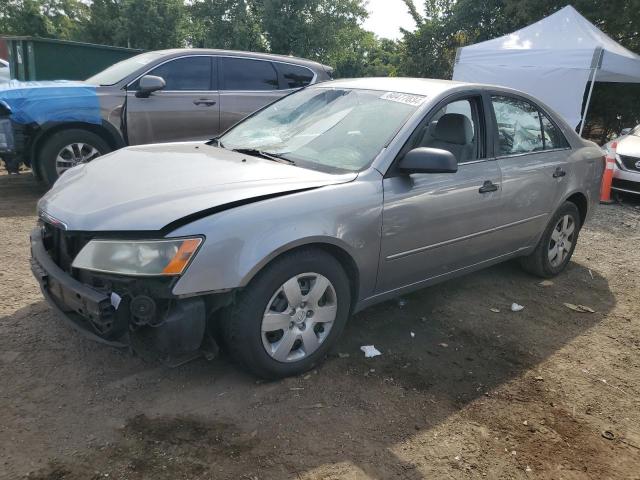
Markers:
<point>559,173</point>
<point>205,101</point>
<point>488,186</point>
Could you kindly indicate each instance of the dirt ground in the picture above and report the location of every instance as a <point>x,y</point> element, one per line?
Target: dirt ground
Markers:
<point>546,392</point>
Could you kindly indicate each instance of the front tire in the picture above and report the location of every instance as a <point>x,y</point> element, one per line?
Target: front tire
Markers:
<point>556,246</point>
<point>66,149</point>
<point>289,316</point>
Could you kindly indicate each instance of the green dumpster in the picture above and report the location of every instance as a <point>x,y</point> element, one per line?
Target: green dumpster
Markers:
<point>32,58</point>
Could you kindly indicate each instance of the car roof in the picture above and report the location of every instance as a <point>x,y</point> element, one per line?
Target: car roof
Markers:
<point>418,86</point>
<point>414,86</point>
<point>239,53</point>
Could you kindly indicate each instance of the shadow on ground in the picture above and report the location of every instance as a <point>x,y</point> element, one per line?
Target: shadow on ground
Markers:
<point>207,418</point>
<point>98,411</point>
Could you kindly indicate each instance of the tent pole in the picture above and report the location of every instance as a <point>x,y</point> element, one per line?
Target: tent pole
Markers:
<point>586,107</point>
<point>596,63</point>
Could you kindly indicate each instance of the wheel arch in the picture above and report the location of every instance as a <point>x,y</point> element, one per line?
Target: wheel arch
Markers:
<point>581,201</point>
<point>105,130</point>
<point>330,245</point>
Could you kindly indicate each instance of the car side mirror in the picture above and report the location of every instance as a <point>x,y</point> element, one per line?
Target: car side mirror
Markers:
<point>149,84</point>
<point>428,160</point>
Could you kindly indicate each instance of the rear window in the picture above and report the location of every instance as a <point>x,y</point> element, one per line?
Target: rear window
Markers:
<point>294,76</point>
<point>552,136</point>
<point>519,126</point>
<point>248,74</point>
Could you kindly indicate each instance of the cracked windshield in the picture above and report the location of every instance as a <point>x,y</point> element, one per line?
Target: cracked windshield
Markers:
<point>327,129</point>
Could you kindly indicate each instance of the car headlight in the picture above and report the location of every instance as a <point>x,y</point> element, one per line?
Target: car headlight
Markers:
<point>6,135</point>
<point>138,257</point>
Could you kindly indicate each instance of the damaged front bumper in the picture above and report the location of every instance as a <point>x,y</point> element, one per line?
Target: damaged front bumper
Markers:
<point>107,313</point>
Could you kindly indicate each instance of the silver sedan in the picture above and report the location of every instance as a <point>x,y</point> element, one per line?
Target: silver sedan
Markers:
<point>626,171</point>
<point>337,197</point>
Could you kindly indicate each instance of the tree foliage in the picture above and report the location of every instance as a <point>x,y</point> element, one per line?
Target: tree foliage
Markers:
<point>45,18</point>
<point>229,24</point>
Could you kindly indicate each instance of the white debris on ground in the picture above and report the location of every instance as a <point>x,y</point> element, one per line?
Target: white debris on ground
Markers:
<point>516,307</point>
<point>370,351</point>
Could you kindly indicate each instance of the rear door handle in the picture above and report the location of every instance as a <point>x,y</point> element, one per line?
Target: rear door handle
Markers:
<point>205,101</point>
<point>488,186</point>
<point>559,173</point>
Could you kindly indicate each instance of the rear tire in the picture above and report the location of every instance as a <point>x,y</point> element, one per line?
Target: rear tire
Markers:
<point>68,148</point>
<point>288,317</point>
<point>556,246</point>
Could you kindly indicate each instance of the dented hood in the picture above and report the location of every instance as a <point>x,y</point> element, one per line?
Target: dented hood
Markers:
<point>149,187</point>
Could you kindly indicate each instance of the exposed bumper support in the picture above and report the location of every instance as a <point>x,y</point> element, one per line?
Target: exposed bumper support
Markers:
<point>180,335</point>
<point>75,302</point>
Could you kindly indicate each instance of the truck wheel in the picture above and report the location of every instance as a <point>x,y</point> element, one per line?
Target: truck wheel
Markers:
<point>288,317</point>
<point>66,149</point>
<point>557,244</point>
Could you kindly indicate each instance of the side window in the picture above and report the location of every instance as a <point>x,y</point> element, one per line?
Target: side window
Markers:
<point>552,136</point>
<point>519,127</point>
<point>293,76</point>
<point>188,73</point>
<point>455,128</point>
<point>247,74</point>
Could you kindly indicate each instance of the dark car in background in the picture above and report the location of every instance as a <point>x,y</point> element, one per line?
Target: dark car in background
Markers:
<point>160,96</point>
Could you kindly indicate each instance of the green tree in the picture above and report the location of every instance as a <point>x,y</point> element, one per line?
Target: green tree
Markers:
<point>153,24</point>
<point>23,17</point>
<point>44,18</point>
<point>65,17</point>
<point>364,55</point>
<point>314,29</point>
<point>105,24</point>
<point>230,24</point>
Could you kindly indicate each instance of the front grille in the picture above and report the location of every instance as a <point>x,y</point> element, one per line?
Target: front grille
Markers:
<point>631,163</point>
<point>63,246</point>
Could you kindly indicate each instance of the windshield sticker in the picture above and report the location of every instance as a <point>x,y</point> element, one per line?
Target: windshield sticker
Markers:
<point>405,98</point>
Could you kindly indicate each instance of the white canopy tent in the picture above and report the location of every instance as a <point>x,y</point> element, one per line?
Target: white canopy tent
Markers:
<point>553,60</point>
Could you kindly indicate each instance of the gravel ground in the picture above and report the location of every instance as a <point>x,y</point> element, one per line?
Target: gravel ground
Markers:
<point>546,392</point>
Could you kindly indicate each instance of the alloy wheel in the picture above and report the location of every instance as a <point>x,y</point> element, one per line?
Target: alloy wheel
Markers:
<point>561,242</point>
<point>74,154</point>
